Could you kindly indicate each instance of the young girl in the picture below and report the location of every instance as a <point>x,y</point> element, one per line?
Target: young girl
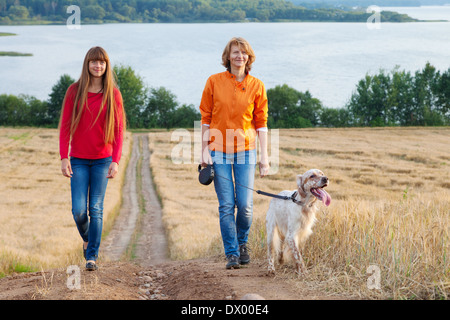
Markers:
<point>93,124</point>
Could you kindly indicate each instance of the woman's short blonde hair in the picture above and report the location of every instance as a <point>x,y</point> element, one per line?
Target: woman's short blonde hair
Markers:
<point>241,43</point>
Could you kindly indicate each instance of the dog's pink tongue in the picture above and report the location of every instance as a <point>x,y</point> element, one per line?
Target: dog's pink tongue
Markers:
<point>326,199</point>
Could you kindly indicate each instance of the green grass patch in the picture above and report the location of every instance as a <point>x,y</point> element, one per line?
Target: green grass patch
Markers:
<point>22,136</point>
<point>10,263</point>
<point>6,34</point>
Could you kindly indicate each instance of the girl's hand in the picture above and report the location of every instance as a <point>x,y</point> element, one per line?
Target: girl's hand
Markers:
<point>113,169</point>
<point>66,168</point>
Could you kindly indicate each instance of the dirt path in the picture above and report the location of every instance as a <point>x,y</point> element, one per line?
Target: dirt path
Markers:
<point>150,275</point>
<point>140,218</point>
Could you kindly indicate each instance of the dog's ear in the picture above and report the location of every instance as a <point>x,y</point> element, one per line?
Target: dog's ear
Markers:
<point>301,191</point>
<point>299,180</point>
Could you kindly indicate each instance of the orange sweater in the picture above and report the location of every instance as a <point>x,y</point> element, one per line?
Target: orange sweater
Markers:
<point>234,111</point>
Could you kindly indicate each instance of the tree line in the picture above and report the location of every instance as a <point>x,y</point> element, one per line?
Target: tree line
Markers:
<point>145,107</point>
<point>109,11</point>
<point>395,98</point>
<point>366,3</point>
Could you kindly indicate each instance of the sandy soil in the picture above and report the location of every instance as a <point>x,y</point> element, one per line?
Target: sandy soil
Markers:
<point>151,276</point>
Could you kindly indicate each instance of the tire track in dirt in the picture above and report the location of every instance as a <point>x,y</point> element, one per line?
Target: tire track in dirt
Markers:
<point>151,247</point>
<point>139,224</point>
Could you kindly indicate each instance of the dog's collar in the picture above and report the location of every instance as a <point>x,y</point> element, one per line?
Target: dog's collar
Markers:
<point>293,196</point>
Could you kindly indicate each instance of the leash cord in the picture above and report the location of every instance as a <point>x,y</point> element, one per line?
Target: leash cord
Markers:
<point>292,197</point>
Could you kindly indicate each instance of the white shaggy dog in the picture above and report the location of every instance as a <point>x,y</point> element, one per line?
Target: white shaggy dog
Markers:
<point>290,221</point>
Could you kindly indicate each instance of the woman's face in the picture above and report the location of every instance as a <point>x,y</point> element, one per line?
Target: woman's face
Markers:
<point>97,68</point>
<point>238,57</point>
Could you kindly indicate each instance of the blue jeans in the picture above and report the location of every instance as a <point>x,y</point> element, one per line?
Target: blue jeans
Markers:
<point>230,195</point>
<point>88,185</point>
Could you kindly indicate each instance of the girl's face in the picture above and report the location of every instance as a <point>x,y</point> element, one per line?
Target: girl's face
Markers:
<point>97,68</point>
<point>238,57</point>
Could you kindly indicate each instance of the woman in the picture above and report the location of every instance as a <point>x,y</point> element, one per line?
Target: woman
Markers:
<point>93,124</point>
<point>234,112</point>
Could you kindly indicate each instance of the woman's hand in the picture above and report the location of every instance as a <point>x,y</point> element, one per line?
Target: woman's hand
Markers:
<point>66,168</point>
<point>264,162</point>
<point>113,169</point>
<point>206,158</point>
<point>264,168</point>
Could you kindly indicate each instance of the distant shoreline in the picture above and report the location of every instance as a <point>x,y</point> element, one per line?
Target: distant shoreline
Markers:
<point>14,54</point>
<point>52,23</point>
<point>48,23</point>
<point>321,17</point>
<point>211,11</point>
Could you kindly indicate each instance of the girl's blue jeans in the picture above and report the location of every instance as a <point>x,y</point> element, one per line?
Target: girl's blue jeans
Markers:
<point>88,185</point>
<point>242,165</point>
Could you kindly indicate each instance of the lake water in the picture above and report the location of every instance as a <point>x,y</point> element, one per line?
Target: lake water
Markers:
<point>328,59</point>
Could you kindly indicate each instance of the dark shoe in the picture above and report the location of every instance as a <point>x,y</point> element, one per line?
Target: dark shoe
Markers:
<point>91,266</point>
<point>233,262</point>
<point>244,256</point>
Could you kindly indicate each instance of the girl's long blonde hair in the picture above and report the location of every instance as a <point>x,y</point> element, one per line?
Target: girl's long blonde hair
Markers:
<point>109,84</point>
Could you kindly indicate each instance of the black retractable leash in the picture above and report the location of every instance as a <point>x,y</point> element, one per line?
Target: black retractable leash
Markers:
<point>206,176</point>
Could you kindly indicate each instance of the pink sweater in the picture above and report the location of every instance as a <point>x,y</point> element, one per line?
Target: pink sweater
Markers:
<point>88,141</point>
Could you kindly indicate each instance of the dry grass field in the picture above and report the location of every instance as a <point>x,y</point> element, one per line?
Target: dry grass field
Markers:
<point>390,206</point>
<point>37,230</point>
<point>386,232</point>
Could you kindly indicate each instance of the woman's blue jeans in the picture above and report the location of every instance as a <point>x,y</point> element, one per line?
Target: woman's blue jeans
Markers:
<point>234,230</point>
<point>88,185</point>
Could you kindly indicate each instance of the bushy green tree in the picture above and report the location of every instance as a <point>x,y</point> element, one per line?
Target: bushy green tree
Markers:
<point>335,117</point>
<point>400,98</point>
<point>442,92</point>
<point>93,12</point>
<point>134,94</point>
<point>56,98</point>
<point>289,108</point>
<point>160,108</point>
<point>368,104</point>
<point>18,12</point>
<point>185,116</point>
<point>14,111</point>
<point>37,112</point>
